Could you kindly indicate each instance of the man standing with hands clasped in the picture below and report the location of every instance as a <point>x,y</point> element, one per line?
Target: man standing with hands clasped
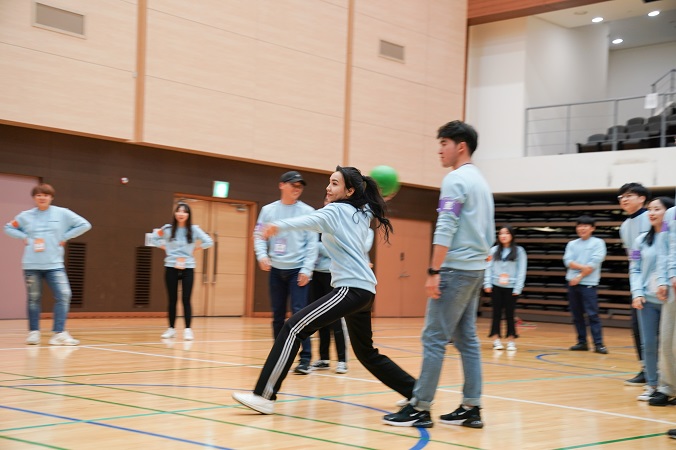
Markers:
<point>583,258</point>
<point>289,257</point>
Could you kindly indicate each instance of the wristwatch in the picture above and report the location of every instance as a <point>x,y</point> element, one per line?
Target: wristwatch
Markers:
<point>431,271</point>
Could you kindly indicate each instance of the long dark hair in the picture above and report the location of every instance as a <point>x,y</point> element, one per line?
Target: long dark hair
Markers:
<point>366,192</point>
<point>188,223</point>
<point>512,245</point>
<point>667,202</point>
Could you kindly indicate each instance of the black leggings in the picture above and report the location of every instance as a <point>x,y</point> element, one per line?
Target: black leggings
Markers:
<point>319,287</point>
<point>171,278</point>
<point>353,304</point>
<point>502,298</point>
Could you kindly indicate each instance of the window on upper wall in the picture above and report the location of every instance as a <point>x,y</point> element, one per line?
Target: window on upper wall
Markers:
<point>59,20</point>
<point>392,51</point>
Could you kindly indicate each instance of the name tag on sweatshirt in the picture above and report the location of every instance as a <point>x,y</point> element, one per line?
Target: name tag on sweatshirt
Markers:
<point>38,245</point>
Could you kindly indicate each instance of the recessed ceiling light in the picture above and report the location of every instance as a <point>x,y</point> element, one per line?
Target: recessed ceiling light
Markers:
<point>617,41</point>
<point>653,13</point>
<point>597,19</point>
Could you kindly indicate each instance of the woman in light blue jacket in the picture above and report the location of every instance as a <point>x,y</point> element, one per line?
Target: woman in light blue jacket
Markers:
<point>180,240</point>
<point>643,276</point>
<point>504,279</point>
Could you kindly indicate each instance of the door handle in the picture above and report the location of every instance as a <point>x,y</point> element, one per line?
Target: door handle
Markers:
<point>204,265</point>
<point>213,274</point>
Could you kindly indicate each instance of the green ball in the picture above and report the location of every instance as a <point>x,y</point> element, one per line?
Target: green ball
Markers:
<point>387,179</point>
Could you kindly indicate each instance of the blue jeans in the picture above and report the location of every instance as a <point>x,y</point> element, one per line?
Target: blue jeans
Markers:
<point>583,300</point>
<point>284,283</point>
<point>58,283</point>
<point>451,316</point>
<point>649,324</point>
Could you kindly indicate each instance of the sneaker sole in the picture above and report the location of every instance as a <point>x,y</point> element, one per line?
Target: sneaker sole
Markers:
<point>64,344</point>
<point>412,423</point>
<point>302,372</point>
<point>257,408</point>
<point>341,371</point>
<point>463,423</point>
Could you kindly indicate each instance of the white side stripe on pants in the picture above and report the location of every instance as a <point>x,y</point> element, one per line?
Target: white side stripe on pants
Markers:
<point>288,345</point>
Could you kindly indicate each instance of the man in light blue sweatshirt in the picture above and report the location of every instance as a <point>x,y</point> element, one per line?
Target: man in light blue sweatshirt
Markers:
<point>632,198</point>
<point>289,257</point>
<point>463,235</point>
<point>583,258</point>
<point>45,230</point>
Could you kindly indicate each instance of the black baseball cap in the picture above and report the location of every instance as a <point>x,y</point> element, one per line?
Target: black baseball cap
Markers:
<point>292,177</point>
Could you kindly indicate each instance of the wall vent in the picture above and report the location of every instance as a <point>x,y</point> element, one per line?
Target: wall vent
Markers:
<point>57,19</point>
<point>76,255</point>
<point>392,51</point>
<point>144,266</point>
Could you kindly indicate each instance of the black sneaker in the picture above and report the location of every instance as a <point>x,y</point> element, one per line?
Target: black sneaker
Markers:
<point>602,349</point>
<point>408,416</point>
<point>638,380</point>
<point>672,433</point>
<point>320,364</point>
<point>302,369</point>
<point>660,399</point>
<point>579,347</point>
<point>465,417</point>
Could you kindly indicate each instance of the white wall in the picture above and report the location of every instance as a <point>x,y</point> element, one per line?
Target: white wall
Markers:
<point>563,66</point>
<point>496,87</point>
<point>632,71</point>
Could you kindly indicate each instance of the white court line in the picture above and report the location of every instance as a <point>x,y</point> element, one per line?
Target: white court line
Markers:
<point>166,356</point>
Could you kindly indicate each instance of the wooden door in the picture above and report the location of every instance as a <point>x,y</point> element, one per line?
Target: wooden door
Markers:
<point>220,287</point>
<point>228,276</point>
<point>401,269</point>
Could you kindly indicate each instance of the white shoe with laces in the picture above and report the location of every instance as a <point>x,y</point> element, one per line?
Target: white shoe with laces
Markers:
<point>33,337</point>
<point>255,402</point>
<point>187,334</point>
<point>341,367</point>
<point>497,345</point>
<point>63,338</point>
<point>170,333</point>
<point>511,346</point>
<point>648,392</point>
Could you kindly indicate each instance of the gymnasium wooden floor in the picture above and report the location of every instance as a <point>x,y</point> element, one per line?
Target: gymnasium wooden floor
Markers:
<point>125,388</point>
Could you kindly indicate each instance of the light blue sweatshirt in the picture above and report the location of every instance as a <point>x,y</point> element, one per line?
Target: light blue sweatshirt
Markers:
<point>290,249</point>
<point>465,223</point>
<point>44,231</point>
<point>506,274</point>
<point>324,262</point>
<point>180,253</point>
<point>345,234</point>
<point>643,274</point>
<point>632,227</point>
<point>666,258</point>
<point>589,252</point>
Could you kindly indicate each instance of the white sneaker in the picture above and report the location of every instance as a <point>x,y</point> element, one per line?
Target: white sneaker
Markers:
<point>497,345</point>
<point>63,338</point>
<point>33,337</point>
<point>255,402</point>
<point>187,334</point>
<point>648,392</point>
<point>511,346</point>
<point>341,367</point>
<point>170,333</point>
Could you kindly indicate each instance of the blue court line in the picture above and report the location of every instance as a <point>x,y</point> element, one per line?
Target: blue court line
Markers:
<point>423,440</point>
<point>147,433</point>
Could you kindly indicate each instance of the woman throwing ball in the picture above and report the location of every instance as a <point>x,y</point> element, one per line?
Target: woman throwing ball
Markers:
<point>344,224</point>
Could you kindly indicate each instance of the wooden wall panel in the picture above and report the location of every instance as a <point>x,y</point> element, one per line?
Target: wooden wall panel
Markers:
<point>56,80</point>
<point>486,11</point>
<point>188,117</point>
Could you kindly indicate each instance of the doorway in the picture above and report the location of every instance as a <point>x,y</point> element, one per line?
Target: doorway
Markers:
<point>401,269</point>
<point>222,286</point>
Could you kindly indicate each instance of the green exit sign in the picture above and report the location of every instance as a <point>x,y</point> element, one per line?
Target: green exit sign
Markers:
<point>221,189</point>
